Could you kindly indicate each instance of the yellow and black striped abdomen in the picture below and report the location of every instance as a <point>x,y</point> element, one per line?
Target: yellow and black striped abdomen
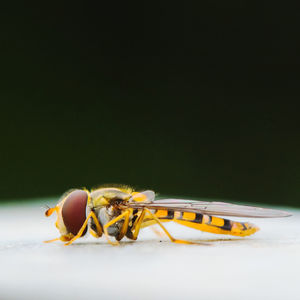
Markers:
<point>207,223</point>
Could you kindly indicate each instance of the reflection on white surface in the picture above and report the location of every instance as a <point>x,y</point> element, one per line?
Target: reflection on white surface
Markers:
<point>266,264</point>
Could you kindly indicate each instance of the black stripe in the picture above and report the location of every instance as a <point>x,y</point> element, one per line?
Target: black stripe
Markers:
<point>136,215</point>
<point>198,218</point>
<point>170,214</point>
<point>244,226</point>
<point>227,225</point>
<point>133,219</point>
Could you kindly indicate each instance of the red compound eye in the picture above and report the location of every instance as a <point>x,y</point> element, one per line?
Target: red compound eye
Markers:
<point>73,211</point>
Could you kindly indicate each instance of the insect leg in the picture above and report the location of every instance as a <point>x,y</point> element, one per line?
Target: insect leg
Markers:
<point>98,226</point>
<point>166,231</point>
<point>125,226</point>
<point>80,232</point>
<point>48,213</point>
<point>137,225</point>
<point>63,238</point>
<point>113,221</point>
<point>50,241</point>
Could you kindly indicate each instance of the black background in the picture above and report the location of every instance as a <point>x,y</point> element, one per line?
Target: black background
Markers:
<point>189,99</point>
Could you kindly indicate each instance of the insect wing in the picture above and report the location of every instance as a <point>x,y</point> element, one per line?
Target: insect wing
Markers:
<point>212,208</point>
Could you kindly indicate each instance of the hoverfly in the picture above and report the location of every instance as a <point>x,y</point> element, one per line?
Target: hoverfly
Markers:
<point>120,211</point>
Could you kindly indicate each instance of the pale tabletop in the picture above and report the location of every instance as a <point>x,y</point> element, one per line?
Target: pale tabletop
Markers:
<point>265,265</point>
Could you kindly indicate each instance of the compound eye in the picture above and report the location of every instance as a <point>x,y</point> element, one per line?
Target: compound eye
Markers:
<point>74,211</point>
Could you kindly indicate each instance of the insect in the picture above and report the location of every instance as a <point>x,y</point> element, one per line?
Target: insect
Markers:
<point>117,212</point>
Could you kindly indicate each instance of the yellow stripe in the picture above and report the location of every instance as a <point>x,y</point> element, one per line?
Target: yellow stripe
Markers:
<point>217,221</point>
<point>189,216</point>
<point>161,213</point>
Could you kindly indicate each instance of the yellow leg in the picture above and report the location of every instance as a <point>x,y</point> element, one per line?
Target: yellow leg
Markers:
<point>113,221</point>
<point>94,234</point>
<point>98,226</point>
<point>140,221</point>
<point>50,241</point>
<point>80,232</point>
<point>125,225</point>
<point>48,213</point>
<point>167,233</point>
<point>63,238</point>
<point>138,224</point>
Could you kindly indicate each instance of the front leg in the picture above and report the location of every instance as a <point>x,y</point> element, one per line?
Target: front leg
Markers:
<point>124,226</point>
<point>80,232</point>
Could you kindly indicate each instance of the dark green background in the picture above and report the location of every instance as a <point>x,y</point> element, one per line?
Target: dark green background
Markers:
<point>195,100</point>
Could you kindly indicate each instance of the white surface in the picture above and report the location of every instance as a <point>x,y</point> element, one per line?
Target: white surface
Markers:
<point>264,265</point>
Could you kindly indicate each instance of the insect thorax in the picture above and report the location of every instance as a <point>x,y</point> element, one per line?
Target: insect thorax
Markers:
<point>106,204</point>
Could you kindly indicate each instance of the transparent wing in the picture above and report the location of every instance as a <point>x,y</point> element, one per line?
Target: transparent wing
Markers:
<point>211,208</point>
